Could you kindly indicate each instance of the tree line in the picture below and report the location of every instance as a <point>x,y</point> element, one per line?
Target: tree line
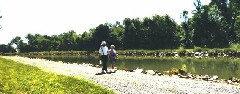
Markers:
<point>216,25</point>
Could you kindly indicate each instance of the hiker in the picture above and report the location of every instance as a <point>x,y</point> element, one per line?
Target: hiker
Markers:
<point>103,53</point>
<point>112,56</point>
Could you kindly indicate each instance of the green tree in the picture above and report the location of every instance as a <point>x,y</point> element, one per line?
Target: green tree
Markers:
<point>163,31</point>
<point>130,38</point>
<point>237,29</point>
<point>6,48</point>
<point>186,41</point>
<point>38,42</point>
<point>158,32</point>
<point>55,43</point>
<point>85,41</point>
<point>116,35</point>
<point>32,42</point>
<point>68,41</point>
<point>229,10</point>
<point>235,6</point>
<point>21,46</point>
<point>218,34</point>
<point>207,31</point>
<point>101,33</point>
<point>172,41</point>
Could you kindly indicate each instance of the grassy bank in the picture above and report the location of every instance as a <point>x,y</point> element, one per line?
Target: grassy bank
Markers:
<point>18,78</point>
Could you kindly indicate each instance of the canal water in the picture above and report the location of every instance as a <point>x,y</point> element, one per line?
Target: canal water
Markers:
<point>223,67</point>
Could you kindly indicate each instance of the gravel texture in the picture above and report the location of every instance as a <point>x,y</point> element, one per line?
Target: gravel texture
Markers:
<point>131,82</point>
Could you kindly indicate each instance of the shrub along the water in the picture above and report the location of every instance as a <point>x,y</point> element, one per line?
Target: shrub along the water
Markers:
<point>19,78</point>
<point>231,52</point>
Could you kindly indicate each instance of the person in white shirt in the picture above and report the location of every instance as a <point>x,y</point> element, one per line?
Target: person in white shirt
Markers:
<point>103,53</point>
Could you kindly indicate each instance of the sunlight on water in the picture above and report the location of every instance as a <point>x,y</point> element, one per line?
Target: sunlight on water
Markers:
<point>223,67</point>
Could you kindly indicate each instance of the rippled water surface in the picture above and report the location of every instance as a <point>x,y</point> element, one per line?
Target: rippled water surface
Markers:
<point>223,67</point>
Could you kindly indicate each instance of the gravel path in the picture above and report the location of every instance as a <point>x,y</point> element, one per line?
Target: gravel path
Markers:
<point>131,82</point>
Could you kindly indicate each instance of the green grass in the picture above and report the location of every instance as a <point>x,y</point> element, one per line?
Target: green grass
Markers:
<point>19,78</point>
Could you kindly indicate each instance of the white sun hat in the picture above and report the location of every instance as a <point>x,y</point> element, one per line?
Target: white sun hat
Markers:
<point>103,43</point>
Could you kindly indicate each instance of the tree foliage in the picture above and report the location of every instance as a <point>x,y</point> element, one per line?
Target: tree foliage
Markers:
<point>215,25</point>
<point>6,48</point>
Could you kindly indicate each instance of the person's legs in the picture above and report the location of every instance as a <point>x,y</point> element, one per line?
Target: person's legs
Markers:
<point>112,65</point>
<point>104,62</point>
<point>110,62</point>
<point>113,61</point>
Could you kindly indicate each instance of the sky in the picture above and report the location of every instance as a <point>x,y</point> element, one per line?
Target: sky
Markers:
<point>54,17</point>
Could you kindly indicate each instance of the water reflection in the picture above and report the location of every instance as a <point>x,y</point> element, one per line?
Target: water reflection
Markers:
<point>223,67</point>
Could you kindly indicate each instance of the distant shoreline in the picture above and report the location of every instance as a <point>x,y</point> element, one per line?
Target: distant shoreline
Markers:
<point>200,52</point>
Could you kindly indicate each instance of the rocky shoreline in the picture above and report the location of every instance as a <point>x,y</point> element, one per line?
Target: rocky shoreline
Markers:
<point>136,81</point>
